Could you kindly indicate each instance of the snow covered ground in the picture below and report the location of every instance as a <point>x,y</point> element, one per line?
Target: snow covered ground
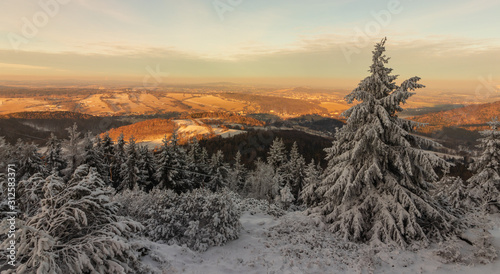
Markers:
<point>295,243</point>
<point>190,127</point>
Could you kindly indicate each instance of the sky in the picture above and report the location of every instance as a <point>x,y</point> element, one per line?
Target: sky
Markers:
<point>452,43</point>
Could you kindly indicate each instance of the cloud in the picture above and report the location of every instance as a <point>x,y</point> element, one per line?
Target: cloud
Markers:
<point>111,9</point>
<point>21,67</point>
<point>458,10</point>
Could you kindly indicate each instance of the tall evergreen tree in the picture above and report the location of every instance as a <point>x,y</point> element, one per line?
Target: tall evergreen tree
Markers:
<point>204,165</point>
<point>107,150</point>
<point>145,164</point>
<point>29,161</point>
<point>30,192</point>
<point>312,180</point>
<point>129,171</point>
<point>181,164</point>
<point>72,147</point>
<point>237,174</point>
<point>376,185</point>
<point>93,157</point>
<point>5,151</point>
<point>277,154</point>
<point>117,161</point>
<point>484,185</point>
<point>277,159</point>
<point>295,170</point>
<point>196,164</point>
<point>165,173</point>
<point>218,172</point>
<point>53,155</point>
<point>261,182</point>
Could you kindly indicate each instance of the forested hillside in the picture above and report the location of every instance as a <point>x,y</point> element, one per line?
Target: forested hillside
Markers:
<point>472,117</point>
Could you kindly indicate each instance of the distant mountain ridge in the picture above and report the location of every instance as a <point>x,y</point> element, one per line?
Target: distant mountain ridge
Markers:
<point>471,117</point>
<point>47,115</point>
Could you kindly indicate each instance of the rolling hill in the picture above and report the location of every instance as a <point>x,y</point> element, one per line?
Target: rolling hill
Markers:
<point>152,131</point>
<point>472,117</point>
<point>145,130</point>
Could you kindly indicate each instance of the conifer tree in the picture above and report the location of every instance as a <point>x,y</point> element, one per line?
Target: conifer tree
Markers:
<point>146,168</point>
<point>286,197</point>
<point>30,193</point>
<point>183,181</point>
<point>165,173</point>
<point>196,164</point>
<point>129,171</point>
<point>453,192</point>
<point>237,175</point>
<point>203,158</point>
<point>277,159</point>
<point>218,172</point>
<point>277,154</point>
<point>312,179</point>
<point>261,182</point>
<point>204,165</point>
<point>5,151</point>
<point>107,150</point>
<point>118,161</point>
<point>29,160</point>
<point>92,157</point>
<point>53,154</point>
<point>484,185</point>
<point>376,185</point>
<point>295,170</point>
<point>72,147</point>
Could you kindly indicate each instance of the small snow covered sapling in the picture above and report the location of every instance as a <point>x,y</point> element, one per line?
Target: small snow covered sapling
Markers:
<point>454,193</point>
<point>286,197</point>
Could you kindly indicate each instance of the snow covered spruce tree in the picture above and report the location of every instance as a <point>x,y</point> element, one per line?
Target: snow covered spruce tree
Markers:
<point>171,166</point>
<point>218,171</point>
<point>92,156</point>
<point>237,175</point>
<point>146,168</point>
<point>485,184</point>
<point>53,155</point>
<point>453,192</point>
<point>73,150</point>
<point>129,171</point>
<point>375,188</point>
<point>262,183</point>
<point>312,180</point>
<point>196,163</point>
<point>119,158</point>
<point>295,169</point>
<point>29,160</point>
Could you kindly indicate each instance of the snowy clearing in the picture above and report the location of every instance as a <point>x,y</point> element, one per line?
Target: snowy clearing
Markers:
<point>296,243</point>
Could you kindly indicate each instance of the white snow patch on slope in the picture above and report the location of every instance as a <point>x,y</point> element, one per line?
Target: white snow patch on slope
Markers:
<point>296,243</point>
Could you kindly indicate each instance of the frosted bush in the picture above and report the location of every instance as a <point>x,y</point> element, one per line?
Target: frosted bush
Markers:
<point>76,230</point>
<point>198,219</point>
